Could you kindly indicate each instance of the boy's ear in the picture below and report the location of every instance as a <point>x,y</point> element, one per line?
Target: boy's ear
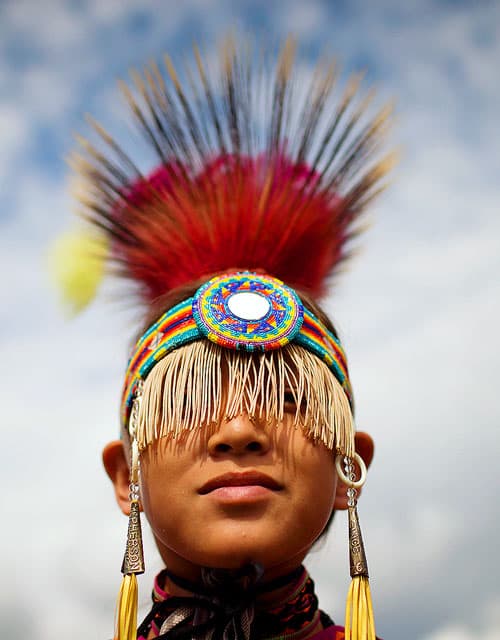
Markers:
<point>365,448</point>
<point>114,458</point>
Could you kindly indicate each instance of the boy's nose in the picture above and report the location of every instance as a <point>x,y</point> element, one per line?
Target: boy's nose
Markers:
<point>238,436</point>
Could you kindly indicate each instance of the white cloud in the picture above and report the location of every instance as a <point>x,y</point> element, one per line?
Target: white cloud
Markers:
<point>485,627</point>
<point>14,134</point>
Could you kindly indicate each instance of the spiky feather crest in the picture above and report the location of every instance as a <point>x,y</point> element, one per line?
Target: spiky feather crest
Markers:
<point>229,191</point>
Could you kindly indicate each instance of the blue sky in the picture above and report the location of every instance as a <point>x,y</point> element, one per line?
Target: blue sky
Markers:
<point>418,309</point>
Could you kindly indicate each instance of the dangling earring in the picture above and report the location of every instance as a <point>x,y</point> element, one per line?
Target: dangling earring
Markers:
<point>133,560</point>
<point>359,622</point>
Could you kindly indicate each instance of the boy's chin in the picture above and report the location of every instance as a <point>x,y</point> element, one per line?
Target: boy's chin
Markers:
<point>271,560</point>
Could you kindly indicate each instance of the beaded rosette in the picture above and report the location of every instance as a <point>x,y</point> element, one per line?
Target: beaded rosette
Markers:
<point>248,311</point>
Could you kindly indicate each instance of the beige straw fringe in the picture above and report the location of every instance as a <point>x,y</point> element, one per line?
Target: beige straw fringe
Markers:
<point>201,384</point>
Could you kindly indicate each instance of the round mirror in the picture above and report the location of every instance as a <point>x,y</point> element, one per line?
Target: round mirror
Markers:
<point>248,305</point>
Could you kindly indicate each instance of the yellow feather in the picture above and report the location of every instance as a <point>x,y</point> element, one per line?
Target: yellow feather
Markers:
<point>77,263</point>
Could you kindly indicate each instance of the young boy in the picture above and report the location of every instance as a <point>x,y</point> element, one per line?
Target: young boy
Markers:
<point>237,428</point>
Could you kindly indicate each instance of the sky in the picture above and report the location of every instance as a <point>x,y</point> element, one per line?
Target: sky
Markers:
<point>418,310</point>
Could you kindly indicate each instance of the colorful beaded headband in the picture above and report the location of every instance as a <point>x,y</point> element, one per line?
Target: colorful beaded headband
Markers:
<point>241,311</point>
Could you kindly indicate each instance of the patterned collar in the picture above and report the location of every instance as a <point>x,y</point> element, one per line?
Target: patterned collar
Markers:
<point>284,609</point>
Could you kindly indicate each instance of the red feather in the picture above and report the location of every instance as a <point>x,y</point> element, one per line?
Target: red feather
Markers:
<point>224,195</point>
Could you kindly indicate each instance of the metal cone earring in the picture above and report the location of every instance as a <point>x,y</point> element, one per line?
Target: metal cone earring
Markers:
<point>133,560</point>
<point>359,621</point>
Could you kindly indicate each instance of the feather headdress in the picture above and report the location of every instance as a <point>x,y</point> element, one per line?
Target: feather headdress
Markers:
<point>250,172</point>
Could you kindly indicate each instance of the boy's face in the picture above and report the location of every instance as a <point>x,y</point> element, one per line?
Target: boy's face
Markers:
<point>244,492</point>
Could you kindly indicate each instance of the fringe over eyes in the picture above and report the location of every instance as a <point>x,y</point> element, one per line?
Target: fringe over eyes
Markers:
<point>201,383</point>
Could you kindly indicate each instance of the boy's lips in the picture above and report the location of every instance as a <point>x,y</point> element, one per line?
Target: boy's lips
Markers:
<point>240,479</point>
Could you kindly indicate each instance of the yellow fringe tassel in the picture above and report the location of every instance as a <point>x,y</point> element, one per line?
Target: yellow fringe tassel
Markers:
<point>126,609</point>
<point>359,622</point>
